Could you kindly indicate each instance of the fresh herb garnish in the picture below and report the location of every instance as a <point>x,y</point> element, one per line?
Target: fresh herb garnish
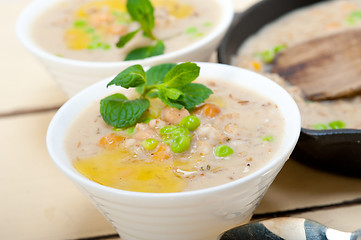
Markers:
<point>171,83</point>
<point>120,112</point>
<point>141,11</point>
<point>145,52</point>
<point>126,38</point>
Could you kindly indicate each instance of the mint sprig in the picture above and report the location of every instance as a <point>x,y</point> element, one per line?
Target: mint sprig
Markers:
<point>171,83</point>
<point>131,77</point>
<point>141,11</point>
<point>120,112</point>
<point>146,52</point>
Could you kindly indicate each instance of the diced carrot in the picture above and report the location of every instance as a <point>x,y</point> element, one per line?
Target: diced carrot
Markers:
<point>162,153</point>
<point>209,109</point>
<point>111,141</point>
<point>333,25</point>
<point>256,65</point>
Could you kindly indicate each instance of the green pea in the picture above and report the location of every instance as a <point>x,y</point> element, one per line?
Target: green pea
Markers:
<point>356,14</point>
<point>180,144</point>
<point>80,23</point>
<point>150,143</point>
<point>105,46</point>
<point>190,122</point>
<point>94,45</point>
<point>351,21</point>
<point>268,138</point>
<point>178,132</point>
<point>207,24</point>
<point>96,38</point>
<point>89,30</point>
<point>268,56</point>
<point>319,126</point>
<point>223,151</point>
<point>191,30</point>
<point>166,133</point>
<point>353,18</point>
<point>167,130</point>
<point>337,124</point>
<point>130,130</point>
<point>278,48</point>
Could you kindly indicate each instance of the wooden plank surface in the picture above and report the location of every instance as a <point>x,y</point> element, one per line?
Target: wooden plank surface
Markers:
<point>38,202</point>
<point>24,82</point>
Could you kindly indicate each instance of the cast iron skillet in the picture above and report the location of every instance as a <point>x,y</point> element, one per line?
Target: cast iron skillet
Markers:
<point>337,151</point>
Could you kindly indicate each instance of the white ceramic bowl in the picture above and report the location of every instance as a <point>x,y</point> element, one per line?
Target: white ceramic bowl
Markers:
<point>194,215</point>
<point>74,75</point>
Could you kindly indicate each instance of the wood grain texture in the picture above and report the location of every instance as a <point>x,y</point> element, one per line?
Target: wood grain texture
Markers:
<point>324,68</point>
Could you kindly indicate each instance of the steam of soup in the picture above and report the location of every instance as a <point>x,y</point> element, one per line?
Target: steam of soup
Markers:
<point>327,17</point>
<point>89,30</point>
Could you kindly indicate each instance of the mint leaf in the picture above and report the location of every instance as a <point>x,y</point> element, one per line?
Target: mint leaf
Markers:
<point>163,96</point>
<point>181,75</point>
<point>173,93</point>
<point>142,11</point>
<point>155,75</point>
<point>153,93</point>
<point>146,52</point>
<point>120,112</point>
<point>131,77</point>
<point>126,38</point>
<point>194,94</point>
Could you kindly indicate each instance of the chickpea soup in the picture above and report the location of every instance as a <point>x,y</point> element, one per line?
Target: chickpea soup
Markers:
<point>327,17</point>
<point>232,134</point>
<point>90,30</point>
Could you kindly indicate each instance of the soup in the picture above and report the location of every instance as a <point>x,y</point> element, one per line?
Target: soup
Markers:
<point>238,132</point>
<point>89,30</point>
<point>328,17</point>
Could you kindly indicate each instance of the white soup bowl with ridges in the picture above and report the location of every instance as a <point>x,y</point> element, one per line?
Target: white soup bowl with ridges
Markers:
<point>194,215</point>
<point>74,75</point>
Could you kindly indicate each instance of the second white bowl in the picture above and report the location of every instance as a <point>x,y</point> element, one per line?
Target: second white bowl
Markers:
<point>74,75</point>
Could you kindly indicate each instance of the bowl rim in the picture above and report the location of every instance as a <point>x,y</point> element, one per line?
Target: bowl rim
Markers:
<point>292,132</point>
<point>26,20</point>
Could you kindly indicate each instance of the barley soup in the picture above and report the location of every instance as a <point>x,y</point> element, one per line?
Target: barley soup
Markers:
<point>239,132</point>
<point>259,50</point>
<point>89,29</point>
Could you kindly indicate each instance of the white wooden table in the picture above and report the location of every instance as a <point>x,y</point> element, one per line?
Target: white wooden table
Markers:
<point>38,202</point>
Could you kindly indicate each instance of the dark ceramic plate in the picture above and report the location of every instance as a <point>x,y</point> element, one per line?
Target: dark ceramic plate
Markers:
<point>337,151</point>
